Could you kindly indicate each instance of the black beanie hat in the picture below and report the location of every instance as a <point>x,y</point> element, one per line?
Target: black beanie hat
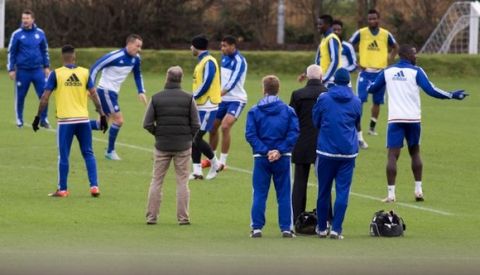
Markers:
<point>342,77</point>
<point>200,42</point>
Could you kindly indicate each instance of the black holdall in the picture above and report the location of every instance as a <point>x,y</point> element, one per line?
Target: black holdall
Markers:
<point>306,223</point>
<point>387,224</point>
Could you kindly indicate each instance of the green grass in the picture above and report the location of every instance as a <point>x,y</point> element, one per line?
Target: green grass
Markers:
<point>80,234</point>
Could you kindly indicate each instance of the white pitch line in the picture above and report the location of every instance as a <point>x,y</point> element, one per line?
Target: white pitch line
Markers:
<point>241,170</point>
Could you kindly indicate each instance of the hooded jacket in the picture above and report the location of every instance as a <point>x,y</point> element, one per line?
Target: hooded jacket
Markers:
<point>271,125</point>
<point>336,114</point>
<point>28,49</point>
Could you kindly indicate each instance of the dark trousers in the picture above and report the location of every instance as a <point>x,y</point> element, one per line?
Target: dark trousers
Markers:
<point>299,193</point>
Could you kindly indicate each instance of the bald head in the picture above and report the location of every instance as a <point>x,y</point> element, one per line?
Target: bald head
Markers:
<point>174,74</point>
<point>314,72</point>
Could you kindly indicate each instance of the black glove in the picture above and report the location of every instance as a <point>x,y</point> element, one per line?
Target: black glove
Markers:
<point>459,94</point>
<point>103,123</point>
<point>35,123</point>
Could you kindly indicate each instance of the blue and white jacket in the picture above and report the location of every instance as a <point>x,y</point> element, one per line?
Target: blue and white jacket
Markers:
<point>234,71</point>
<point>349,58</point>
<point>271,125</point>
<point>115,67</point>
<point>336,115</point>
<point>403,80</point>
<point>28,49</point>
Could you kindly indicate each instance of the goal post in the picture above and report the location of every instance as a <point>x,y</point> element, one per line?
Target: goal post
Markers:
<point>457,31</point>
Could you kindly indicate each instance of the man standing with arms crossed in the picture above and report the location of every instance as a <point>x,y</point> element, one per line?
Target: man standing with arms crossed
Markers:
<point>373,46</point>
<point>72,87</point>
<point>28,62</point>
<point>234,97</point>
<point>206,91</point>
<point>404,114</point>
<point>115,67</point>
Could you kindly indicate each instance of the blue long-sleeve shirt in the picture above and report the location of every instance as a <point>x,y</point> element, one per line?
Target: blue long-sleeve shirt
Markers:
<point>336,114</point>
<point>349,58</point>
<point>208,75</point>
<point>333,51</point>
<point>28,49</point>
<point>115,67</point>
<point>271,125</point>
<point>403,80</point>
<point>234,71</point>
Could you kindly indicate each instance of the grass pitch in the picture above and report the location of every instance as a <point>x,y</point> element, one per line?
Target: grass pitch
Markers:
<point>80,234</point>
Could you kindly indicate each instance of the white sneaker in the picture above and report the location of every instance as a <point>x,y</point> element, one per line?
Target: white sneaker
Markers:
<point>372,132</point>
<point>389,199</point>
<point>212,173</point>
<point>322,234</point>
<point>195,177</point>
<point>419,196</point>
<point>112,156</point>
<point>362,144</point>
<point>334,235</point>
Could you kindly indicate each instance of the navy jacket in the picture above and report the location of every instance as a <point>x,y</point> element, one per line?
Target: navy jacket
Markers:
<point>271,125</point>
<point>336,114</point>
<point>28,49</point>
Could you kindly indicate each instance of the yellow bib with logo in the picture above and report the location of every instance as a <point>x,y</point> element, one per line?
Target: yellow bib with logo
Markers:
<point>325,57</point>
<point>214,92</point>
<point>71,93</point>
<point>373,49</point>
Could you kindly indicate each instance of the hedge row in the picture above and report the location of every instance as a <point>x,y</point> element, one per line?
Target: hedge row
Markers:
<point>266,62</point>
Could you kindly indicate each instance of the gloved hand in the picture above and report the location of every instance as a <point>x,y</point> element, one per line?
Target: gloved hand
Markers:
<point>35,123</point>
<point>103,123</point>
<point>459,94</point>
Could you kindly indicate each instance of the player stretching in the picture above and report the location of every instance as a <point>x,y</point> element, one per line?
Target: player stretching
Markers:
<point>115,67</point>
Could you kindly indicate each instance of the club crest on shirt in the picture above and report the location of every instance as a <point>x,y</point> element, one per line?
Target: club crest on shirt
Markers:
<point>37,36</point>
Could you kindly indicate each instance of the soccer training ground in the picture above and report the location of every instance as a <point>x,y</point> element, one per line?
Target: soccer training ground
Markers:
<point>108,235</point>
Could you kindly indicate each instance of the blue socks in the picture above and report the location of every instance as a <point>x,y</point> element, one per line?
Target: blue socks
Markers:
<point>95,125</point>
<point>112,137</point>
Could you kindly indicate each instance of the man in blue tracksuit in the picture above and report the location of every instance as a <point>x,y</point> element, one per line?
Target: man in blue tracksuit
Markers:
<point>28,62</point>
<point>336,115</point>
<point>272,131</point>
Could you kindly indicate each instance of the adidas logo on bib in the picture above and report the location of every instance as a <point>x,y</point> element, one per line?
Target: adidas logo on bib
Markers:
<point>73,81</point>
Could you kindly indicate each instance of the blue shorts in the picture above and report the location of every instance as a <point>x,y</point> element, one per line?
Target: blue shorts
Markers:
<point>364,80</point>
<point>206,119</point>
<point>397,132</point>
<point>109,101</point>
<point>233,108</point>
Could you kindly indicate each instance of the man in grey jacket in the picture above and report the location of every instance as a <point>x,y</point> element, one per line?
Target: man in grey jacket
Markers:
<point>172,117</point>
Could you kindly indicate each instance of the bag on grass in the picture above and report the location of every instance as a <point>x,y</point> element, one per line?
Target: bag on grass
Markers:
<point>306,223</point>
<point>387,224</point>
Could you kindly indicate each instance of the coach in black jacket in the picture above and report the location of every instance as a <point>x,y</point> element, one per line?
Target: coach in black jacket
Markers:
<point>304,154</point>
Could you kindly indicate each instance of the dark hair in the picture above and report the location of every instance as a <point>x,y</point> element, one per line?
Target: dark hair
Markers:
<point>374,11</point>
<point>337,22</point>
<point>132,37</point>
<point>68,49</point>
<point>29,12</point>
<point>230,39</point>
<point>271,84</point>
<point>327,19</point>
<point>405,50</point>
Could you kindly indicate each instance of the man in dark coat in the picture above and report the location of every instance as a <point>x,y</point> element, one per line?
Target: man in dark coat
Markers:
<point>304,155</point>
